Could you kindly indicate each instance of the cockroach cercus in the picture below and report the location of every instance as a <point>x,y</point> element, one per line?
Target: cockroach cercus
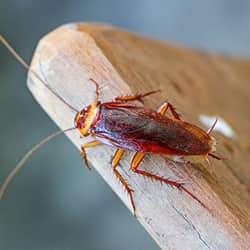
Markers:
<point>125,125</point>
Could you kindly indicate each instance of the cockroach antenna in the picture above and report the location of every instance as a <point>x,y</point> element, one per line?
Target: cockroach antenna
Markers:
<point>24,159</point>
<point>28,68</point>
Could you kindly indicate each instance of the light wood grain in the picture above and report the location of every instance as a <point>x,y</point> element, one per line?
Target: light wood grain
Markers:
<point>197,83</point>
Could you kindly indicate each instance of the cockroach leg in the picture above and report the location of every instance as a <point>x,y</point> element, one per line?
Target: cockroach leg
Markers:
<point>139,97</point>
<point>135,166</point>
<point>179,185</point>
<point>122,180</point>
<point>136,160</point>
<point>84,156</point>
<point>84,153</point>
<point>164,108</point>
<point>117,157</point>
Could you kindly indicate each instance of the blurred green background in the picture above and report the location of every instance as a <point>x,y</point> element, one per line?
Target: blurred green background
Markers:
<point>55,203</point>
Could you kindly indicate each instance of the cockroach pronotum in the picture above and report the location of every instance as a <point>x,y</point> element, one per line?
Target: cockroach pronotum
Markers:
<point>125,125</point>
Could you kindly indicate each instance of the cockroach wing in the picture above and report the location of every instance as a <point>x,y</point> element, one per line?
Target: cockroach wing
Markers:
<point>139,129</point>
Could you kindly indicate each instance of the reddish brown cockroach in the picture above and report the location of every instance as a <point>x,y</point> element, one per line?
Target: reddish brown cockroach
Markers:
<point>135,128</point>
<point>128,126</point>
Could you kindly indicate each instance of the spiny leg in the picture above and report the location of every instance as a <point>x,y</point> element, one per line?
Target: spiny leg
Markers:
<point>139,97</point>
<point>138,157</point>
<point>168,106</point>
<point>118,155</point>
<point>84,153</point>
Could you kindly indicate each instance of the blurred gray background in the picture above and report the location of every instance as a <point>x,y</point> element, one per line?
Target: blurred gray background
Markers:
<point>55,203</point>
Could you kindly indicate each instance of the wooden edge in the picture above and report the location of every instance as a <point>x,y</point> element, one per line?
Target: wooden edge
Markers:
<point>67,58</point>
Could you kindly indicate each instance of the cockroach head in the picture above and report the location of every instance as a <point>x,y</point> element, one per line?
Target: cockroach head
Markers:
<point>86,118</point>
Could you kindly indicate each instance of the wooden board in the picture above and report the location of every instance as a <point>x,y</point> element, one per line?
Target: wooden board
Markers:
<point>200,85</point>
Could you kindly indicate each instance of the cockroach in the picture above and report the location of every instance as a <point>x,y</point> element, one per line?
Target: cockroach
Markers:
<point>125,125</point>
